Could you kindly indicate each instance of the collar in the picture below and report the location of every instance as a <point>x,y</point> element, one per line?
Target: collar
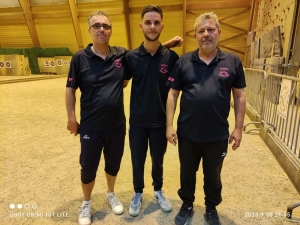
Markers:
<point>161,49</point>
<point>90,53</point>
<point>220,55</point>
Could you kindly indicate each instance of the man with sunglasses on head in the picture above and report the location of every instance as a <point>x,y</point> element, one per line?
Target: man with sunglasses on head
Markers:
<point>149,67</point>
<point>98,71</point>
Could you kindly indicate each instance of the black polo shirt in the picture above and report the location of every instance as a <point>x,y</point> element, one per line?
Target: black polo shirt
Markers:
<point>206,91</point>
<point>101,85</point>
<point>149,91</point>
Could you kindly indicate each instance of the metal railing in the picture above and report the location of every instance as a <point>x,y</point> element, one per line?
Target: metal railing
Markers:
<point>275,101</point>
<point>255,93</point>
<point>285,128</point>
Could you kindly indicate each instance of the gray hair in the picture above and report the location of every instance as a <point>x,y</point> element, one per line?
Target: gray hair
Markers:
<point>204,16</point>
<point>99,13</point>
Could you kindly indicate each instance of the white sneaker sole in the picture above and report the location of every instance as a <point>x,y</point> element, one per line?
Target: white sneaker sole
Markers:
<point>134,213</point>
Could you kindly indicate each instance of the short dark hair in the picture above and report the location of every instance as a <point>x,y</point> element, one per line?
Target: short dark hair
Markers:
<point>152,8</point>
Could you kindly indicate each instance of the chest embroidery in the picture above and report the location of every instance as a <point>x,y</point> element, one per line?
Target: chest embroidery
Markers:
<point>118,63</point>
<point>163,68</point>
<point>223,72</point>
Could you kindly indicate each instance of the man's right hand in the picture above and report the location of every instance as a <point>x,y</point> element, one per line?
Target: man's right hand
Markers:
<point>171,135</point>
<point>73,127</point>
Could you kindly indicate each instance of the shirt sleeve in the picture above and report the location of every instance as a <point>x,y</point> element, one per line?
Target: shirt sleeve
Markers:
<point>174,80</point>
<point>240,81</point>
<point>72,80</point>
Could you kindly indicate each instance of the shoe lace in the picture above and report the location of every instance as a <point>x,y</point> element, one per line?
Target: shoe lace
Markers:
<point>136,198</point>
<point>160,196</point>
<point>113,201</point>
<point>85,212</point>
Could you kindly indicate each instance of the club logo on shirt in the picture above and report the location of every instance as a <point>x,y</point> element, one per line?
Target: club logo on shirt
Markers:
<point>118,63</point>
<point>223,72</point>
<point>163,68</point>
<point>70,79</point>
<point>171,79</point>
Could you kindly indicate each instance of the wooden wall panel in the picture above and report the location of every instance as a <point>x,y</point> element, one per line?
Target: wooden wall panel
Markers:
<point>273,13</point>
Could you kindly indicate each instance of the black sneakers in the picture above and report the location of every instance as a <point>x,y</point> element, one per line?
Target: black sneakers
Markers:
<point>211,217</point>
<point>185,213</point>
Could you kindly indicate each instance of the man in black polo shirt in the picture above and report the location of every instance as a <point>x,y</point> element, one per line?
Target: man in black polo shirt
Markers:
<point>206,78</point>
<point>98,71</point>
<point>149,67</point>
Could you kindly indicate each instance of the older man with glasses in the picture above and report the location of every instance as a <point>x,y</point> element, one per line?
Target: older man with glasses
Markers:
<point>98,71</point>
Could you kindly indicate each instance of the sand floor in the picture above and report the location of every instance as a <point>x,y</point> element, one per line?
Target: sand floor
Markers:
<point>40,170</point>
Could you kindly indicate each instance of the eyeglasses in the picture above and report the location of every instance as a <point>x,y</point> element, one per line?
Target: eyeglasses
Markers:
<point>98,26</point>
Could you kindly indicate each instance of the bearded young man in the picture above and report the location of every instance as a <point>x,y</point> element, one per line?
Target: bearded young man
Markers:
<point>98,71</point>
<point>149,66</point>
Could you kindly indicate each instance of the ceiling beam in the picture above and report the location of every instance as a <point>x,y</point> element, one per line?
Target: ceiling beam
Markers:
<point>76,25</point>
<point>163,7</point>
<point>223,23</point>
<point>12,16</point>
<point>232,49</point>
<point>233,27</point>
<point>30,22</point>
<point>236,14</point>
<point>219,5</point>
<point>118,11</point>
<point>200,6</point>
<point>51,15</point>
<point>110,12</point>
<point>127,22</point>
<point>232,37</point>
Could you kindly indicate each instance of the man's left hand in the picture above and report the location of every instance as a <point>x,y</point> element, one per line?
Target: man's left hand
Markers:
<point>236,135</point>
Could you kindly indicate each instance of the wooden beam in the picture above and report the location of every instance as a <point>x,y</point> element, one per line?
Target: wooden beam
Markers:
<point>233,27</point>
<point>190,31</point>
<point>110,12</point>
<point>192,13</point>
<point>30,22</point>
<point>184,25</point>
<point>127,22</point>
<point>232,37</point>
<point>232,49</point>
<point>76,25</point>
<point>51,15</point>
<point>55,14</point>
<point>235,14</point>
<point>190,35</point>
<point>163,7</point>
<point>253,15</point>
<point>88,2</point>
<point>12,16</point>
<point>200,6</point>
<point>219,5</point>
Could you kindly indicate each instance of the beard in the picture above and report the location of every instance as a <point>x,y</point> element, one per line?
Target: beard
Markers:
<point>208,47</point>
<point>151,39</point>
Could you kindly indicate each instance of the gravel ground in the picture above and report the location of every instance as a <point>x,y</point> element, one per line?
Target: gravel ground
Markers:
<point>40,170</point>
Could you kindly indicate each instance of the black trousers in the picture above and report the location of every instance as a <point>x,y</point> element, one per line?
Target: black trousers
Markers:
<point>190,155</point>
<point>92,143</point>
<point>139,137</point>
